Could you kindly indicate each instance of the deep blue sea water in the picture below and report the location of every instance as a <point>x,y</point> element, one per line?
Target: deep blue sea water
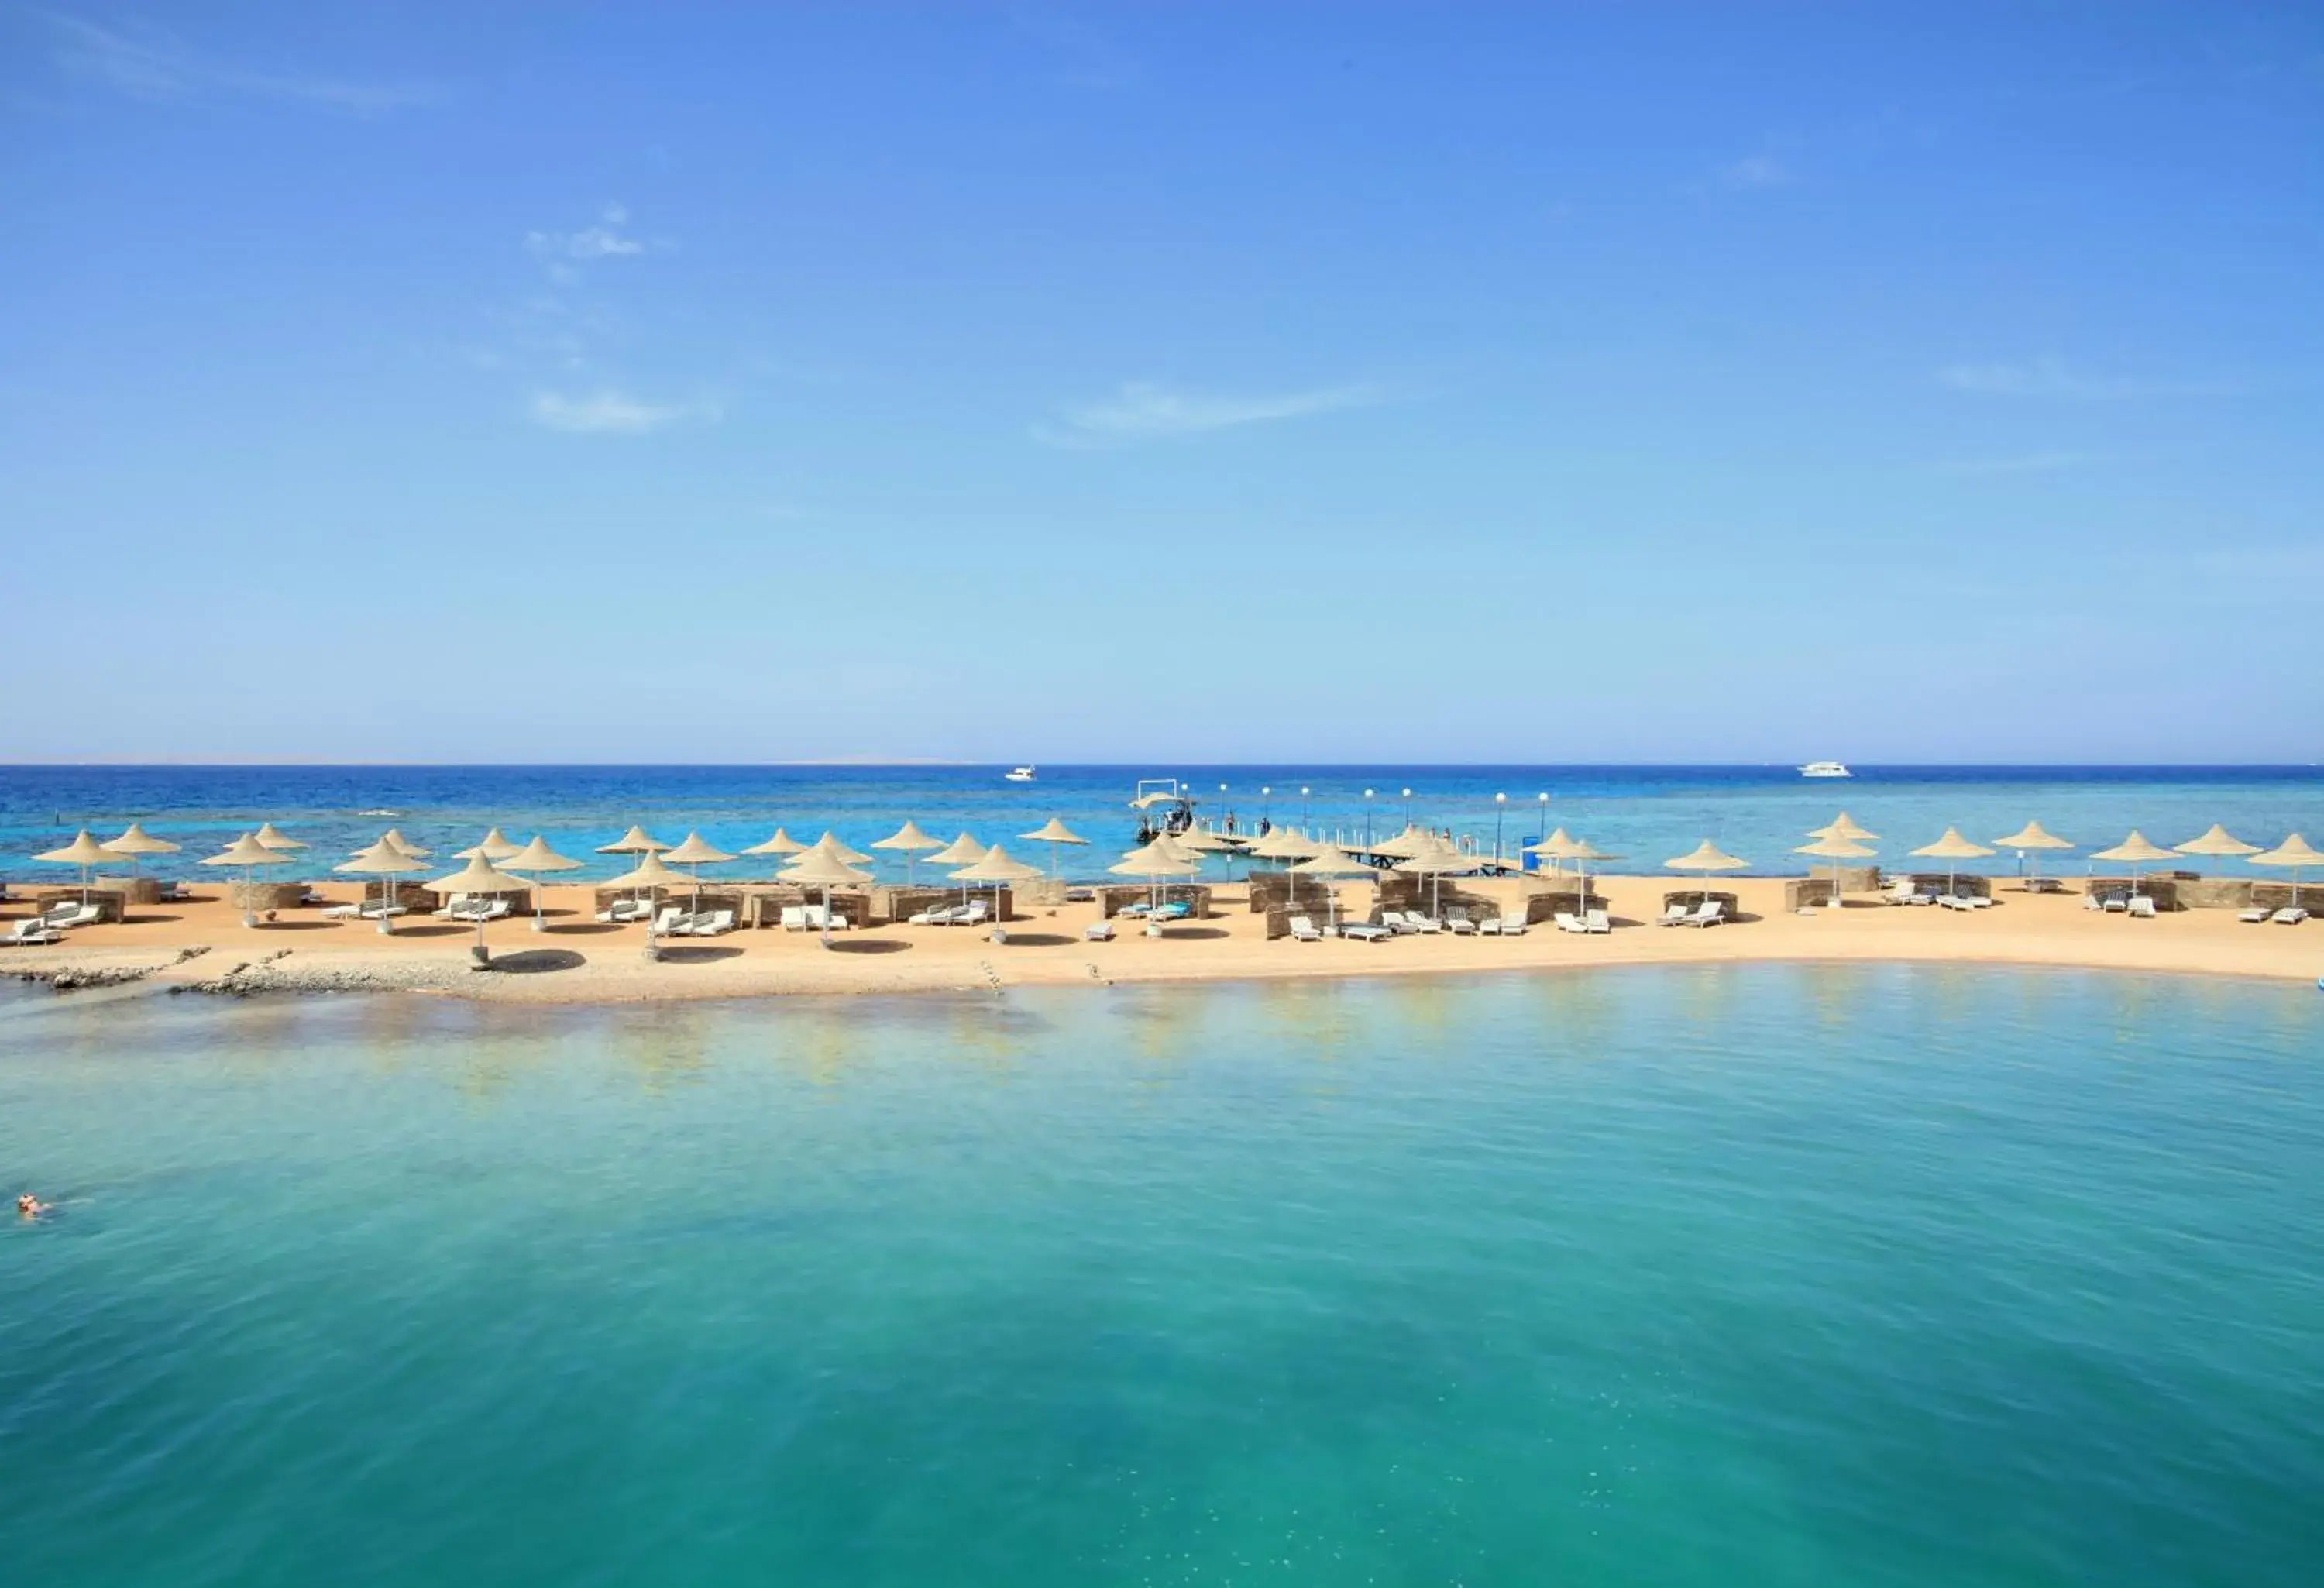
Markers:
<point>1769,1275</point>
<point>1646,814</point>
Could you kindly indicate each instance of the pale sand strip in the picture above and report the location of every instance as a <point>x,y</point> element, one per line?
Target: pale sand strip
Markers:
<point>609,965</point>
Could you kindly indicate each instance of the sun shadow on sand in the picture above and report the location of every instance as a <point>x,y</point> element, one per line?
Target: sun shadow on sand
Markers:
<point>698,956</point>
<point>1191,932</point>
<point>533,962</point>
<point>591,929</point>
<point>868,945</point>
<point>1036,940</point>
<point>297,926</point>
<point>434,931</point>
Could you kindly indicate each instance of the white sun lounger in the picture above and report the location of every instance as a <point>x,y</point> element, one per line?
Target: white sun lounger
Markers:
<point>1365,932</point>
<point>1304,930</point>
<point>76,915</point>
<point>1677,915</point>
<point>1099,931</point>
<point>1711,912</point>
<point>710,923</point>
<point>32,932</point>
<point>1566,921</point>
<point>975,915</point>
<point>937,916</point>
<point>1598,920</point>
<point>2142,907</point>
<point>2292,916</point>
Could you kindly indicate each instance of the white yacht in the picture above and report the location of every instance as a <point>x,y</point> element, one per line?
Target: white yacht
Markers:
<point>1825,769</point>
<point>1023,774</point>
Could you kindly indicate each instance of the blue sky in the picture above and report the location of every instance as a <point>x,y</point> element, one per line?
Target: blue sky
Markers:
<point>1345,383</point>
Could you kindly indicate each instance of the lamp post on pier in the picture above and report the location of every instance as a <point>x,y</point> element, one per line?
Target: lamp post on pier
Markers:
<point>1500,804</point>
<point>1306,819</point>
<point>1368,821</point>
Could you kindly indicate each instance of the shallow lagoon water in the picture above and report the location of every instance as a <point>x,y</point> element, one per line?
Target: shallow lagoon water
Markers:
<point>1770,1274</point>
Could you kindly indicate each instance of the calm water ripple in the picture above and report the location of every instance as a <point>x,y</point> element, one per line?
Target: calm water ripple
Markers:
<point>1773,1274</point>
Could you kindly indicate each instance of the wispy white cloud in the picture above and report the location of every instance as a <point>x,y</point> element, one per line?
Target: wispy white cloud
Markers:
<point>2026,463</point>
<point>2053,377</point>
<point>607,239</point>
<point>1758,171</point>
<point>1143,411</point>
<point>151,64</point>
<point>608,411</point>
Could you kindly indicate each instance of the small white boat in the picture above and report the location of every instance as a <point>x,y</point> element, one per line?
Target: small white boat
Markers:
<point>1023,774</point>
<point>1825,769</point>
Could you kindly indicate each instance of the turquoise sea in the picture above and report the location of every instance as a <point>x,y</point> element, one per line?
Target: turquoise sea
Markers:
<point>1784,1275</point>
<point>1644,814</point>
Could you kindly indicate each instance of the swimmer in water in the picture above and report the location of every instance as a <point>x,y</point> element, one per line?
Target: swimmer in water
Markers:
<point>31,1207</point>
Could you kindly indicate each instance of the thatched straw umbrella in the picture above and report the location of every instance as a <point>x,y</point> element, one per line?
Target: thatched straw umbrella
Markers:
<point>2218,842</point>
<point>1831,846</point>
<point>249,853</point>
<point>537,856</point>
<point>1153,863</point>
<point>1437,862</point>
<point>1705,857</point>
<point>1952,849</point>
<point>1332,861</point>
<point>649,872</point>
<point>961,851</point>
<point>821,866</point>
<point>2296,853</point>
<point>383,859</point>
<point>84,852</point>
<point>136,843</point>
<point>781,843</point>
<point>493,847</point>
<point>998,870</point>
<point>395,835</point>
<point>1844,827</point>
<point>1286,844</point>
<point>274,837</point>
<point>694,854</point>
<point>2135,851</point>
<point>910,840</point>
<point>480,876</point>
<point>2033,837</point>
<point>1055,835</point>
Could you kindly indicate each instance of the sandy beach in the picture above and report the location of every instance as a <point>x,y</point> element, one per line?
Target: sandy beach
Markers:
<point>203,944</point>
